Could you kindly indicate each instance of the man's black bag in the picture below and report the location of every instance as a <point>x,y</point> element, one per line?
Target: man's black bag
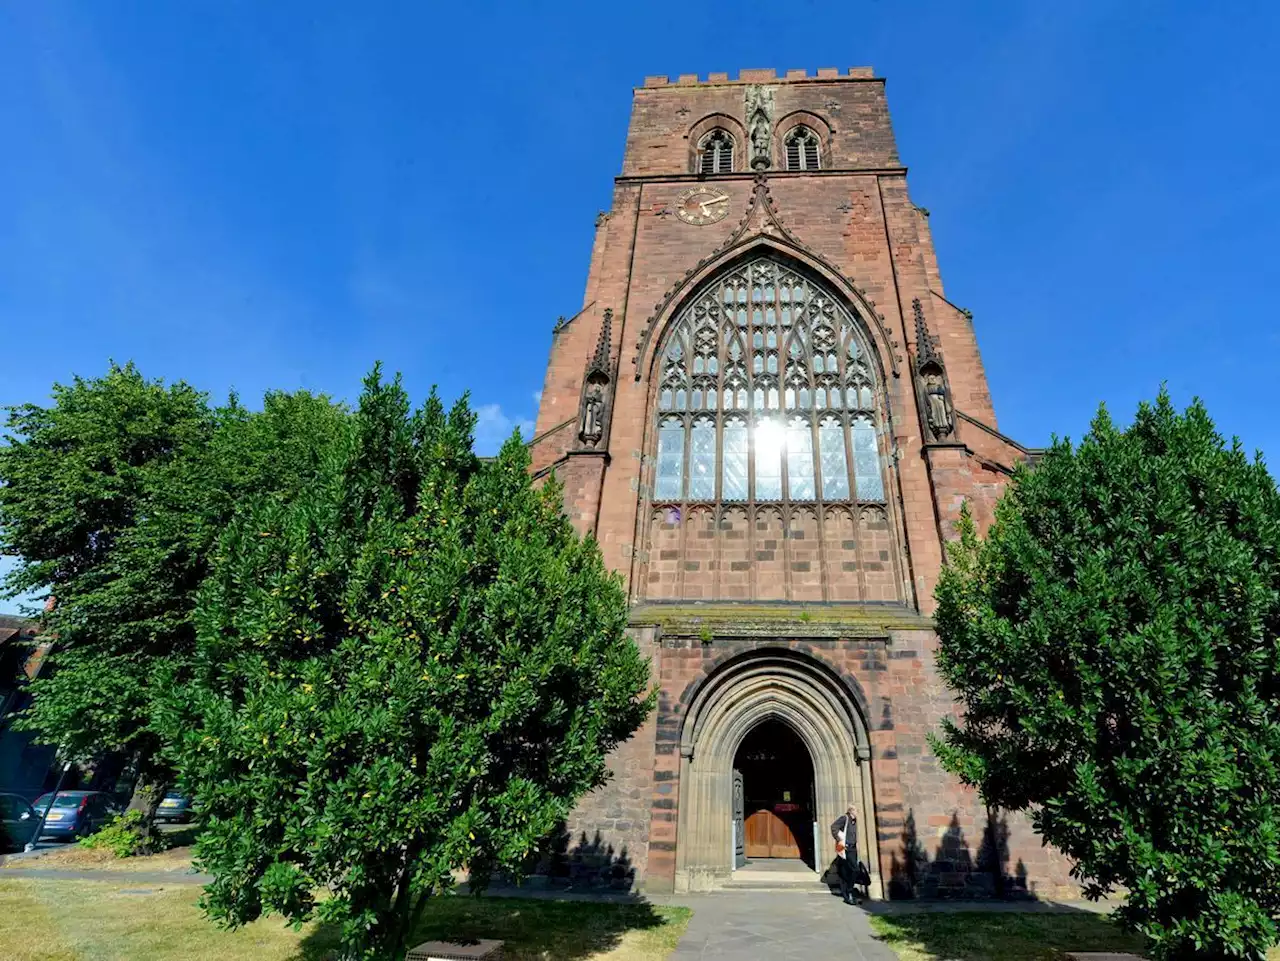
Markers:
<point>861,876</point>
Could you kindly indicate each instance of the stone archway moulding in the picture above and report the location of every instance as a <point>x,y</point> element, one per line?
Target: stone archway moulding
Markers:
<point>825,712</point>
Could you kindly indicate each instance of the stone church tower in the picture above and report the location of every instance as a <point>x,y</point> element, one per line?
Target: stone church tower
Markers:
<point>769,414</point>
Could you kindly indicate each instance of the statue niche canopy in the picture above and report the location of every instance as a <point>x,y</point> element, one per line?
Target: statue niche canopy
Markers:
<point>769,430</point>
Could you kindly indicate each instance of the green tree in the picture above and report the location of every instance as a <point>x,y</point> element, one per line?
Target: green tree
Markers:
<point>1114,643</point>
<point>112,497</point>
<point>415,667</point>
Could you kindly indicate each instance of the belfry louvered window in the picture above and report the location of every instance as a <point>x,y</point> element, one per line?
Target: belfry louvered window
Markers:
<point>766,394</point>
<point>715,153</point>
<point>802,149</point>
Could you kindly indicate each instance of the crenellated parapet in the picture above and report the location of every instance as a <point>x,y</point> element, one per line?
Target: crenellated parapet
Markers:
<point>766,75</point>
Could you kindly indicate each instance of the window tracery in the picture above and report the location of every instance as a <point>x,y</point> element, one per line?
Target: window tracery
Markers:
<point>766,394</point>
<point>769,476</point>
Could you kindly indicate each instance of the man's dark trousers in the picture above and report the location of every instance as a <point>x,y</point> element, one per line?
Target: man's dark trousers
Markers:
<point>845,868</point>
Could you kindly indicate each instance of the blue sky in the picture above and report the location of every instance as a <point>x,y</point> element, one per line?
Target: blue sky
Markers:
<point>258,195</point>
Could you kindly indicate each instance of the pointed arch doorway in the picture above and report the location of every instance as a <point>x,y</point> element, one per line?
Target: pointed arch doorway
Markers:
<point>777,795</point>
<point>766,700</point>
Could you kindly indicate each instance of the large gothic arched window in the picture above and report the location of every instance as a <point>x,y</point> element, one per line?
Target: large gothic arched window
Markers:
<point>766,394</point>
<point>768,476</point>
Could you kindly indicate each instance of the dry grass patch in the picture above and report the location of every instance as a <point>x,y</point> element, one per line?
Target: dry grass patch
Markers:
<point>51,920</point>
<point>76,858</point>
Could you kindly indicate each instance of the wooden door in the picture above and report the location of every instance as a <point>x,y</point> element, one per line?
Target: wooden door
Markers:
<point>769,835</point>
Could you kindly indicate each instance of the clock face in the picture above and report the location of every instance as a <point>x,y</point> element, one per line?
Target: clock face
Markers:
<point>702,205</point>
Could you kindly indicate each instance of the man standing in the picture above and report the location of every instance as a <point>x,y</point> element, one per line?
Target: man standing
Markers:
<point>845,831</point>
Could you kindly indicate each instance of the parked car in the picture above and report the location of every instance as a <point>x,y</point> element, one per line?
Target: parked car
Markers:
<point>175,806</point>
<point>76,814</point>
<point>18,822</point>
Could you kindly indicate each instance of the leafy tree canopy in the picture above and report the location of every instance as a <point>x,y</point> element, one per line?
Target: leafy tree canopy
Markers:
<point>112,497</point>
<point>1115,646</point>
<point>414,667</point>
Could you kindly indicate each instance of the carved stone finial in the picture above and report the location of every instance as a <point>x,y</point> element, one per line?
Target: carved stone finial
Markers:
<point>931,381</point>
<point>603,217</point>
<point>925,351</point>
<point>600,360</point>
<point>759,111</point>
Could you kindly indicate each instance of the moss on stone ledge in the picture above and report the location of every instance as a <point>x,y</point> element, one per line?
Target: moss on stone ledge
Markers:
<point>728,619</point>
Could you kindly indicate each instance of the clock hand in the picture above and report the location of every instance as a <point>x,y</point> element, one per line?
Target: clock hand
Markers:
<point>719,199</point>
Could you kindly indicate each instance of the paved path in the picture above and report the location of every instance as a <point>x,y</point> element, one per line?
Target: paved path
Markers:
<point>751,926</point>
<point>138,877</point>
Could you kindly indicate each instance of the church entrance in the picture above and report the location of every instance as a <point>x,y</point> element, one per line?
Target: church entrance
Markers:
<point>770,742</point>
<point>777,794</point>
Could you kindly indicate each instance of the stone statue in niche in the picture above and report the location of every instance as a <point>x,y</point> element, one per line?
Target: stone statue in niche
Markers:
<point>933,394</point>
<point>597,388</point>
<point>936,410</point>
<point>592,416</point>
<point>759,109</point>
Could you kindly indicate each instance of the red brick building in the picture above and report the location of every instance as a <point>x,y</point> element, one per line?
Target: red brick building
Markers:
<point>769,414</point>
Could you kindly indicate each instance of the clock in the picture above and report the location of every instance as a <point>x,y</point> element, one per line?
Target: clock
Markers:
<point>702,205</point>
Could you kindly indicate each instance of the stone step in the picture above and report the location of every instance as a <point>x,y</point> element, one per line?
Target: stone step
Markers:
<point>759,888</point>
<point>775,882</point>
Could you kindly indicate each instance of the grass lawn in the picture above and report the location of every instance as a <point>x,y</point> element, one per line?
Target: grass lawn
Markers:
<point>50,920</point>
<point>1004,937</point>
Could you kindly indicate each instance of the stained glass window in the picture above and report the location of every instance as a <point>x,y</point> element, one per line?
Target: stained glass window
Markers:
<point>800,460</point>
<point>835,470</point>
<point>766,393</point>
<point>734,476</point>
<point>768,444</point>
<point>866,461</point>
<point>670,482</point>
<point>702,460</point>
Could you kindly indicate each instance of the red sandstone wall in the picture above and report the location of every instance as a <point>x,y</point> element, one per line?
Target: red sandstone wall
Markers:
<point>858,216</point>
<point>934,834</point>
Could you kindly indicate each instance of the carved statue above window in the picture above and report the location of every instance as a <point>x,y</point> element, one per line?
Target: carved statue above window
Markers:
<point>759,110</point>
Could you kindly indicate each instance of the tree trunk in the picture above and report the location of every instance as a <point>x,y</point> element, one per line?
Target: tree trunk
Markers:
<point>147,795</point>
<point>401,917</point>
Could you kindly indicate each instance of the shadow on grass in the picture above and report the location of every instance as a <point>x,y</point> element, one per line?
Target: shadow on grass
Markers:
<point>534,930</point>
<point>1003,936</point>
